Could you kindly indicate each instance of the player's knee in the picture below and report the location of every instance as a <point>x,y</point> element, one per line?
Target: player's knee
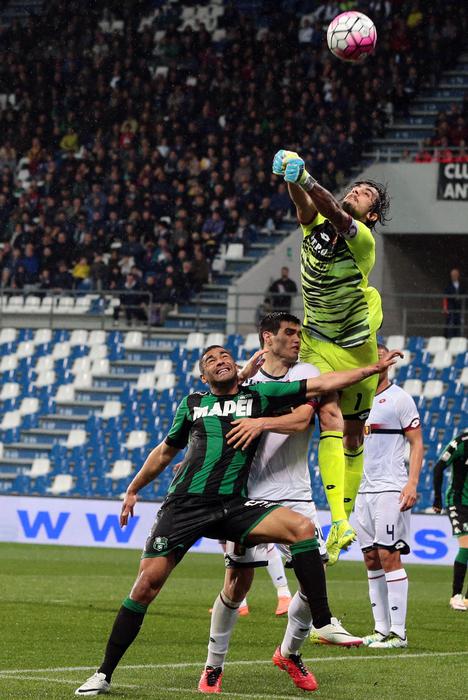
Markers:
<point>330,417</point>
<point>237,583</point>
<point>304,529</point>
<point>146,587</point>
<point>372,560</point>
<point>391,561</point>
<point>354,440</point>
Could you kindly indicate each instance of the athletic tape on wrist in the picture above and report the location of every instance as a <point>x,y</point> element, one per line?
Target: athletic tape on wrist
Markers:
<point>309,183</point>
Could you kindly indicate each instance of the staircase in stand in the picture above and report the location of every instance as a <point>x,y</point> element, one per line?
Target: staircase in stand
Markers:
<point>409,132</point>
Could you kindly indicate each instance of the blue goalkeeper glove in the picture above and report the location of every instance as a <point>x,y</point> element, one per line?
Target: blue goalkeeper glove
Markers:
<point>281,158</point>
<point>295,171</point>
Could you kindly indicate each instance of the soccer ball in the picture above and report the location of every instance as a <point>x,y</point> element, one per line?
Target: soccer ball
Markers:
<point>351,36</point>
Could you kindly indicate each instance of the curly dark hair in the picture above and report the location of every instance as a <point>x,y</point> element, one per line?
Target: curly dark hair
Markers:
<point>382,204</point>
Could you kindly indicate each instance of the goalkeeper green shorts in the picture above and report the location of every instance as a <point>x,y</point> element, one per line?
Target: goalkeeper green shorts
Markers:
<point>356,400</point>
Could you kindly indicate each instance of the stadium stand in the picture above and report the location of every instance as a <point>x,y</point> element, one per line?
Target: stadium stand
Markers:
<point>158,168</point>
<point>149,187</point>
<point>83,434</point>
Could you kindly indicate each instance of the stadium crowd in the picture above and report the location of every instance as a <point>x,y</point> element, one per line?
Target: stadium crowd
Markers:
<point>449,141</point>
<point>127,157</point>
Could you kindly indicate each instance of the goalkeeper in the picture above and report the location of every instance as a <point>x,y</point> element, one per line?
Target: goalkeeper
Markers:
<point>341,317</point>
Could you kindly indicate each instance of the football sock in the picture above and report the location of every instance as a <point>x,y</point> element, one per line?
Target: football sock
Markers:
<point>332,470</point>
<point>378,597</point>
<point>354,465</point>
<point>299,624</point>
<point>308,567</point>
<point>276,570</point>
<point>459,570</point>
<point>223,618</point>
<point>126,626</point>
<point>397,586</point>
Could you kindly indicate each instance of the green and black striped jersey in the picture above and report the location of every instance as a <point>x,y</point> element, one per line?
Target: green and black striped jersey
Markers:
<point>339,306</point>
<point>211,467</point>
<point>455,455</point>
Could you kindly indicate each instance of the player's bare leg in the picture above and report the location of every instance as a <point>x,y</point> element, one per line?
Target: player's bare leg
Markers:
<point>152,575</point>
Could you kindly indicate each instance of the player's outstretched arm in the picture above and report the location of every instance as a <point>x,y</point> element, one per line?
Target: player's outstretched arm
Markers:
<point>305,209</point>
<point>154,464</point>
<point>335,381</point>
<point>318,197</point>
<point>245,430</point>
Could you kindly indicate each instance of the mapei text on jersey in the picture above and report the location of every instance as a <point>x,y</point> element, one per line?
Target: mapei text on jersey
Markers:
<point>242,408</point>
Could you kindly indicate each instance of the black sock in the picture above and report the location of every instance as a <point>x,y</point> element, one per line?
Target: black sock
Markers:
<point>126,627</point>
<point>308,567</point>
<point>459,570</point>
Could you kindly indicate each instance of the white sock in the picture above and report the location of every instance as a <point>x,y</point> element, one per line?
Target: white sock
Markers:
<point>379,600</point>
<point>397,584</point>
<point>277,573</point>
<point>223,618</point>
<point>243,603</point>
<point>299,624</point>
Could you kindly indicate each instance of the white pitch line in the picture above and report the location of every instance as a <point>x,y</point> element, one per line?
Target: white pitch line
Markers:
<point>200,664</point>
<point>234,695</point>
<point>66,681</point>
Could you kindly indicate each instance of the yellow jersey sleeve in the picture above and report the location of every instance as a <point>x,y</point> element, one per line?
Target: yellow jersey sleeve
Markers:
<point>308,228</point>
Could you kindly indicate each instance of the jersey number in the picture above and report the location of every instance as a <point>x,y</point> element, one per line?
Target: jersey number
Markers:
<point>358,401</point>
<point>391,531</point>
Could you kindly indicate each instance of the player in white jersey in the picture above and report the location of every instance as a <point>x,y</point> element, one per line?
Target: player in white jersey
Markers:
<point>386,495</point>
<point>279,473</point>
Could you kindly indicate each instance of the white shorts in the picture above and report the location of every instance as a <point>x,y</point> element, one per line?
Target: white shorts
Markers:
<point>381,523</point>
<point>239,556</point>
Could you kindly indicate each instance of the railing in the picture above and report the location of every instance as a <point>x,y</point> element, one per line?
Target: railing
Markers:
<point>435,154</point>
<point>93,309</point>
<point>404,314</point>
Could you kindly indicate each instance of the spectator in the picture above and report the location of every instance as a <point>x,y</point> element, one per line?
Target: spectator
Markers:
<point>425,155</point>
<point>81,273</point>
<point>45,282</point>
<point>62,279</point>
<point>130,300</point>
<point>200,269</point>
<point>282,291</point>
<point>167,300</point>
<point>453,304</point>
<point>99,273</point>
<point>30,264</point>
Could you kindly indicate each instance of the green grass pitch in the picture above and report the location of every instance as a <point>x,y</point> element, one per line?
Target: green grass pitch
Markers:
<point>58,605</point>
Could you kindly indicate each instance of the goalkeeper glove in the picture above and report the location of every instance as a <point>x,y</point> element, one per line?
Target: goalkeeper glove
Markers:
<point>295,172</point>
<point>280,160</point>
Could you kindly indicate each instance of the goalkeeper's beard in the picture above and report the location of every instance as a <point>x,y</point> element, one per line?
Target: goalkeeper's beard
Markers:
<point>349,209</point>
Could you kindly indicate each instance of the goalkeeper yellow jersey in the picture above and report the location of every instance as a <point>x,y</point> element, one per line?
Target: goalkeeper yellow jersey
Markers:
<point>339,306</point>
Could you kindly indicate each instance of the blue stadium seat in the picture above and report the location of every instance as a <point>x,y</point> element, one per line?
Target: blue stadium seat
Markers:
<point>415,343</point>
<point>461,360</point>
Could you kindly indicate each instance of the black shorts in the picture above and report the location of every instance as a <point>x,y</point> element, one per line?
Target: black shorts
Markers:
<point>181,521</point>
<point>458,515</point>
